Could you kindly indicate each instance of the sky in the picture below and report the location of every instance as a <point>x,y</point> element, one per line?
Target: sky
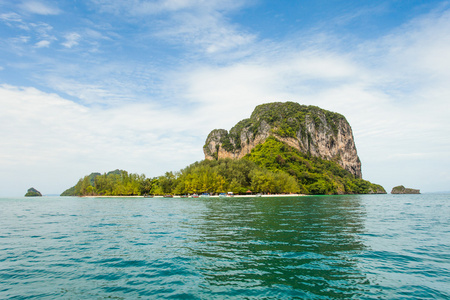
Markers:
<point>98,85</point>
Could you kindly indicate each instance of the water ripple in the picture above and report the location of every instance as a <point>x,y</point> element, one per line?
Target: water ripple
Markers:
<point>361,247</point>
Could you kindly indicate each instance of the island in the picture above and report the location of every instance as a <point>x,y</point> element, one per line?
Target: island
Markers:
<point>32,192</point>
<point>402,190</point>
<point>282,148</point>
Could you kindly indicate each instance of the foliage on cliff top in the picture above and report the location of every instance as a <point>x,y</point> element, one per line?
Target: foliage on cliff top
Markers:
<point>291,117</point>
<point>286,119</point>
<point>279,111</point>
<point>314,175</point>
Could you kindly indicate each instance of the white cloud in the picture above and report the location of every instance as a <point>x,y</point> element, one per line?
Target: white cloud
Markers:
<point>209,31</point>
<point>85,92</point>
<point>43,136</point>
<point>418,52</point>
<point>39,31</point>
<point>17,41</point>
<point>14,20</point>
<point>72,39</point>
<point>42,28</point>
<point>199,24</point>
<point>42,44</point>
<point>40,8</point>
<point>95,34</point>
<point>394,92</point>
<point>10,17</point>
<point>145,7</point>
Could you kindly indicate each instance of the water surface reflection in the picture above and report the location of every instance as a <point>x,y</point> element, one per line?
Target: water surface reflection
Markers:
<point>303,247</point>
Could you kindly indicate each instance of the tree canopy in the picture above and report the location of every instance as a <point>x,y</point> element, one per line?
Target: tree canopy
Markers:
<point>272,167</point>
<point>314,175</point>
<point>32,192</point>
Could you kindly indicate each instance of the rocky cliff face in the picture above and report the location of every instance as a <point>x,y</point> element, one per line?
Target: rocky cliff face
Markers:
<point>309,129</point>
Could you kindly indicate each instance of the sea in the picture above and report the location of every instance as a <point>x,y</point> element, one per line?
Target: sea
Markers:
<point>311,247</point>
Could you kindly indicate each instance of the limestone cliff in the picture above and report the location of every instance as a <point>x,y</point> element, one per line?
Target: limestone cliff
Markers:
<point>309,129</point>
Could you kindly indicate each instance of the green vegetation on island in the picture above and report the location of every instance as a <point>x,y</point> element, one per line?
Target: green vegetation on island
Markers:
<point>324,163</point>
<point>32,192</point>
<point>114,183</point>
<point>309,129</point>
<point>402,190</point>
<point>272,167</point>
<point>314,175</point>
<point>206,176</point>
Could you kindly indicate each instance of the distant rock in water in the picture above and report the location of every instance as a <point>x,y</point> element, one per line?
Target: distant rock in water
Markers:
<point>309,129</point>
<point>402,190</point>
<point>32,192</point>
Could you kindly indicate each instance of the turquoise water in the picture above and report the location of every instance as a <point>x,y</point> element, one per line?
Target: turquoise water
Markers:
<point>330,247</point>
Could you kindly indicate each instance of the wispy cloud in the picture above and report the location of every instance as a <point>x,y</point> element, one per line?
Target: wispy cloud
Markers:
<point>136,113</point>
<point>72,39</point>
<point>209,31</point>
<point>43,31</point>
<point>14,20</point>
<point>44,131</point>
<point>10,17</point>
<point>19,44</point>
<point>98,93</point>
<point>40,8</point>
<point>396,101</point>
<point>198,24</point>
<point>42,44</point>
<point>39,34</point>
<point>372,8</point>
<point>146,7</point>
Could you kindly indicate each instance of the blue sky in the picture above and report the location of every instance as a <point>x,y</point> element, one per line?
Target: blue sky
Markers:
<point>97,85</point>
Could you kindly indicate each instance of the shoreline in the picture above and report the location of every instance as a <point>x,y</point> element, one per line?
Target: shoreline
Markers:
<point>215,196</point>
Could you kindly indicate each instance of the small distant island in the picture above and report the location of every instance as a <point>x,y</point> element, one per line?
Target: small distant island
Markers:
<point>32,192</point>
<point>402,190</point>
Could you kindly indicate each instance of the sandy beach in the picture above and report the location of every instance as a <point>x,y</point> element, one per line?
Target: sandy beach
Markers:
<point>211,196</point>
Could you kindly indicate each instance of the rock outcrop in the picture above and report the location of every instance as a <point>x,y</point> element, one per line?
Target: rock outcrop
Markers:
<point>32,192</point>
<point>309,129</point>
<point>402,190</point>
